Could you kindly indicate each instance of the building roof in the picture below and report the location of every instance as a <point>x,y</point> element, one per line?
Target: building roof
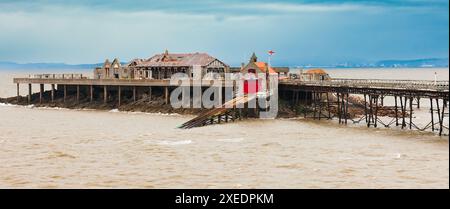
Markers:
<point>177,60</point>
<point>281,69</point>
<point>107,64</point>
<point>317,71</point>
<point>263,66</point>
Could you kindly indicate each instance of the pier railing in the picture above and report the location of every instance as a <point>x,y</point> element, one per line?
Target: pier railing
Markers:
<point>58,76</point>
<point>376,83</point>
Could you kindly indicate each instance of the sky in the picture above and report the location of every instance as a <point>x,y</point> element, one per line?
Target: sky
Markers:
<point>317,32</point>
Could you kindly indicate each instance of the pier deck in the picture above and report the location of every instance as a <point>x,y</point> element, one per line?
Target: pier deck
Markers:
<point>102,82</point>
<point>417,88</point>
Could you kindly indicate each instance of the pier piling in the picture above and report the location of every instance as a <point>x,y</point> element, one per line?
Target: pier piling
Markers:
<point>18,92</point>
<point>78,93</point>
<point>396,110</point>
<point>410,111</point>
<point>53,92</point>
<point>91,93</point>
<point>29,93</point>
<point>149,93</point>
<point>41,92</point>
<point>166,94</point>
<point>65,93</point>
<point>432,114</point>
<point>105,94</point>
<point>120,95</point>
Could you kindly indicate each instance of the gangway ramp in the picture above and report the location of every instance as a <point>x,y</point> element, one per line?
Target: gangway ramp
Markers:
<point>207,117</point>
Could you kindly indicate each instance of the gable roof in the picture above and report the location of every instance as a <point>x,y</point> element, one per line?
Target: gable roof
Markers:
<point>316,71</point>
<point>177,60</point>
<point>263,66</point>
<point>107,64</point>
<point>115,62</point>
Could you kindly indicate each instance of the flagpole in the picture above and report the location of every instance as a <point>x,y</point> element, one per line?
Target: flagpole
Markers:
<point>267,75</point>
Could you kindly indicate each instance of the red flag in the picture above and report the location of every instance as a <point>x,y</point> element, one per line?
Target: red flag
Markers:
<point>271,52</point>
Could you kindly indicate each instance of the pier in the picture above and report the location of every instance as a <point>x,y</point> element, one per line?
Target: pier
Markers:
<point>325,99</point>
<point>328,99</point>
<point>99,87</point>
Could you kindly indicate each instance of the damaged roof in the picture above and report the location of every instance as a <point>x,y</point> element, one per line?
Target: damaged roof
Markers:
<point>177,60</point>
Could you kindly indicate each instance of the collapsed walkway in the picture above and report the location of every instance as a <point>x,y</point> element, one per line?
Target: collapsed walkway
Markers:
<point>225,113</point>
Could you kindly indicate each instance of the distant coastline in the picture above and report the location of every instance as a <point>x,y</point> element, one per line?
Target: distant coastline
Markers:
<point>415,63</point>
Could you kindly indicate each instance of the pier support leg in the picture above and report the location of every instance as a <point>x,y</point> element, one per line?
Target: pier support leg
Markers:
<point>343,117</point>
<point>328,106</point>
<point>346,108</point>
<point>365,108</point>
<point>396,111</point>
<point>320,105</point>
<point>78,93</point>
<point>376,111</point>
<point>370,119</point>
<point>53,92</point>
<point>105,94</point>
<point>292,101</point>
<point>134,93</point>
<point>41,92</point>
<point>432,114</point>
<point>441,123</point>
<point>305,104</point>
<point>29,93</point>
<point>418,102</point>
<point>339,107</point>
<point>166,94</point>
<point>439,116</point>
<point>150,93</point>
<point>91,93</point>
<point>411,99</point>
<point>120,95</point>
<point>314,99</point>
<point>65,93</point>
<point>403,104</point>
<point>18,92</point>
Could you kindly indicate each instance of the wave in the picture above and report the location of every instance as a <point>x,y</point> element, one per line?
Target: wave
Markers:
<point>231,140</point>
<point>174,143</point>
<point>14,105</point>
<point>7,105</point>
<point>146,113</point>
<point>32,106</point>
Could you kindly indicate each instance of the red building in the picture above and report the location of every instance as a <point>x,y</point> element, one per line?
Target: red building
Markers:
<point>252,72</point>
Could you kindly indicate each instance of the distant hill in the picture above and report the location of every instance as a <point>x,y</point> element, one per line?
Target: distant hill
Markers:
<point>37,66</point>
<point>416,63</point>
<point>46,66</point>
<point>434,62</point>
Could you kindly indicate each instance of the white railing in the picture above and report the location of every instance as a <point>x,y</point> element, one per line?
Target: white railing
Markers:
<point>376,83</point>
<point>58,76</point>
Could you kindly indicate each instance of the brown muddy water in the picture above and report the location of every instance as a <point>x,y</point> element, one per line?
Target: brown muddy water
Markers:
<point>59,148</point>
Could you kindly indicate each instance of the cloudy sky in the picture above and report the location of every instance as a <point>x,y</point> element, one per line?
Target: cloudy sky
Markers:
<point>301,32</point>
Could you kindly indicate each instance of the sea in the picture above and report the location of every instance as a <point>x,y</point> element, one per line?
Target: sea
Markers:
<point>62,148</point>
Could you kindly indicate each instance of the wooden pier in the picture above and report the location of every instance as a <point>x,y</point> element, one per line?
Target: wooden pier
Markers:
<point>330,99</point>
<point>325,99</point>
<point>78,83</point>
